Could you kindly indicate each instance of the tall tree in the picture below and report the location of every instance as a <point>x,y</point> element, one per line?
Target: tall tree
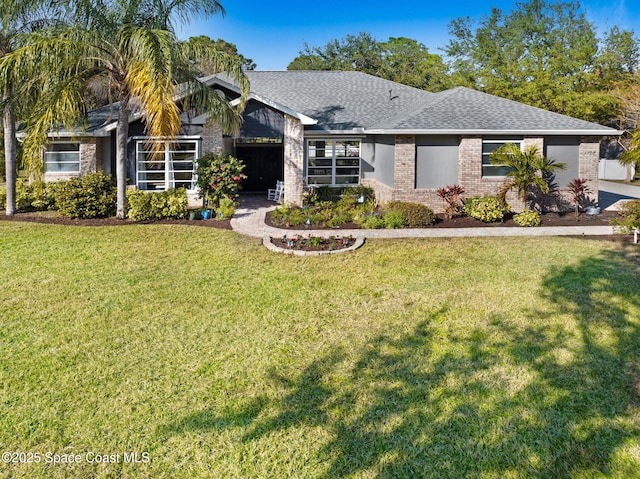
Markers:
<point>206,68</point>
<point>134,47</point>
<point>398,59</point>
<point>359,52</point>
<point>541,53</point>
<point>407,61</point>
<point>18,18</point>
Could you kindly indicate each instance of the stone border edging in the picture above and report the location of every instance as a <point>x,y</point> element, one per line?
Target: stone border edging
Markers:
<point>266,241</point>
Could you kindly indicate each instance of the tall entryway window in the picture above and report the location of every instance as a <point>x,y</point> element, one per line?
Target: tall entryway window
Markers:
<point>162,164</point>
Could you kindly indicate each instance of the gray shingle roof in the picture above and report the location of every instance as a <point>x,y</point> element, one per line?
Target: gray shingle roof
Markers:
<point>344,101</point>
<point>337,100</point>
<point>348,101</point>
<point>465,109</point>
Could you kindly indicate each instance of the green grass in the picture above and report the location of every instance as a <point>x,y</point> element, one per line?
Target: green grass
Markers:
<point>477,358</point>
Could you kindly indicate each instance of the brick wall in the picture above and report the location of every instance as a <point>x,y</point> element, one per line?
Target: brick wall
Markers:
<point>589,155</point>
<point>293,160</point>
<point>211,138</point>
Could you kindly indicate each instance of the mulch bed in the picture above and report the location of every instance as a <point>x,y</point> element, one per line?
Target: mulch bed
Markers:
<point>51,217</point>
<point>308,243</point>
<point>548,219</point>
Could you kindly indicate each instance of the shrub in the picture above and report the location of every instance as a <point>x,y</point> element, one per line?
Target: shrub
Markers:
<point>226,209</point>
<point>528,218</point>
<point>36,197</point>
<point>485,208</point>
<point>630,221</point>
<point>151,205</point>
<point>92,196</point>
<point>393,219</point>
<point>451,197</point>
<point>579,189</point>
<point>361,191</point>
<point>219,176</point>
<point>370,222</point>
<point>414,215</point>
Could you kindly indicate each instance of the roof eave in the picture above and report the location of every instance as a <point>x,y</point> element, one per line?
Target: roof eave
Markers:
<point>383,131</point>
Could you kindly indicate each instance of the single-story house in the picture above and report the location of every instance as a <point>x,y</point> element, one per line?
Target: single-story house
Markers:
<point>338,128</point>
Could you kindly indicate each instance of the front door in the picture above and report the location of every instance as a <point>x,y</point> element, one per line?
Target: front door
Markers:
<point>264,166</point>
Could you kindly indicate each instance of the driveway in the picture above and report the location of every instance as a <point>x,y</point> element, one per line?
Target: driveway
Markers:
<point>610,193</point>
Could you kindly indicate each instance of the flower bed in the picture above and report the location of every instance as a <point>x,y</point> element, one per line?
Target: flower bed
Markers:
<point>313,243</point>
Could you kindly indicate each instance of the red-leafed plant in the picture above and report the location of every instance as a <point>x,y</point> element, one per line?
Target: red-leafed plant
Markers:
<point>451,196</point>
<point>579,190</point>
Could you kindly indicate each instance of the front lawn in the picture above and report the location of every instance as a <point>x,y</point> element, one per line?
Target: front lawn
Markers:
<point>208,356</point>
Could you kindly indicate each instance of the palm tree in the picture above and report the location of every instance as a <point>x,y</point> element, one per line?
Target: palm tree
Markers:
<point>528,169</point>
<point>631,157</point>
<point>18,18</point>
<point>132,45</point>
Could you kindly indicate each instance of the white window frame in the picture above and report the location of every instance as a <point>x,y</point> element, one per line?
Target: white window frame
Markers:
<point>142,145</point>
<point>52,154</point>
<point>334,167</point>
<point>500,141</point>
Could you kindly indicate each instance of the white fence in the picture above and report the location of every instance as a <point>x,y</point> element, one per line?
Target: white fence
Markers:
<point>613,170</point>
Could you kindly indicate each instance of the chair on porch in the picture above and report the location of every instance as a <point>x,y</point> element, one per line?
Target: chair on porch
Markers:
<point>276,194</point>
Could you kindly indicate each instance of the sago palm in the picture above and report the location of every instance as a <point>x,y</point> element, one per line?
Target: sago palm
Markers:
<point>133,47</point>
<point>528,169</point>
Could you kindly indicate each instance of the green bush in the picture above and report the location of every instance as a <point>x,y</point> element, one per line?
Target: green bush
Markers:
<point>39,196</point>
<point>92,196</point>
<point>160,205</point>
<point>393,219</point>
<point>414,215</point>
<point>630,221</point>
<point>226,209</point>
<point>370,222</point>
<point>219,176</point>
<point>528,218</point>
<point>485,208</point>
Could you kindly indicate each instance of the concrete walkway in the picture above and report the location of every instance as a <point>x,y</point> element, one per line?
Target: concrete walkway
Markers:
<point>250,216</point>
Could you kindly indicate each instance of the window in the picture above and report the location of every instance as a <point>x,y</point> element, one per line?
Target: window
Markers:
<point>331,162</point>
<point>62,157</point>
<point>162,165</point>
<point>488,147</point>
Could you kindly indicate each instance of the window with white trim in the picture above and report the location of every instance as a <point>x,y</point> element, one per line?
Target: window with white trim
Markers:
<point>333,162</point>
<point>488,147</point>
<point>62,157</point>
<point>162,165</point>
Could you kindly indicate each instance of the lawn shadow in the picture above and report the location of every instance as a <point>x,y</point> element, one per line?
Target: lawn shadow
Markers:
<point>505,398</point>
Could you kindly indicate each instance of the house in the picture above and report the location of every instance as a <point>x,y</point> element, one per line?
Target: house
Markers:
<point>335,128</point>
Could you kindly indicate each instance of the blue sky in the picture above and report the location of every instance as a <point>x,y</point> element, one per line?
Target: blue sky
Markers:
<point>272,33</point>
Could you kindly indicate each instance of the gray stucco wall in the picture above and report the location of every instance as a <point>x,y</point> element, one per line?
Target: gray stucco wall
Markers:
<point>436,161</point>
<point>378,158</point>
<point>564,149</point>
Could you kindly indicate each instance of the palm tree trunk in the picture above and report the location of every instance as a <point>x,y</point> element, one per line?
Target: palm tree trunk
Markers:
<point>122,132</point>
<point>10,157</point>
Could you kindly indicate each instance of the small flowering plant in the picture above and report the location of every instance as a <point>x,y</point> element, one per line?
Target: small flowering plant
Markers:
<point>451,196</point>
<point>579,189</point>
<point>219,177</point>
